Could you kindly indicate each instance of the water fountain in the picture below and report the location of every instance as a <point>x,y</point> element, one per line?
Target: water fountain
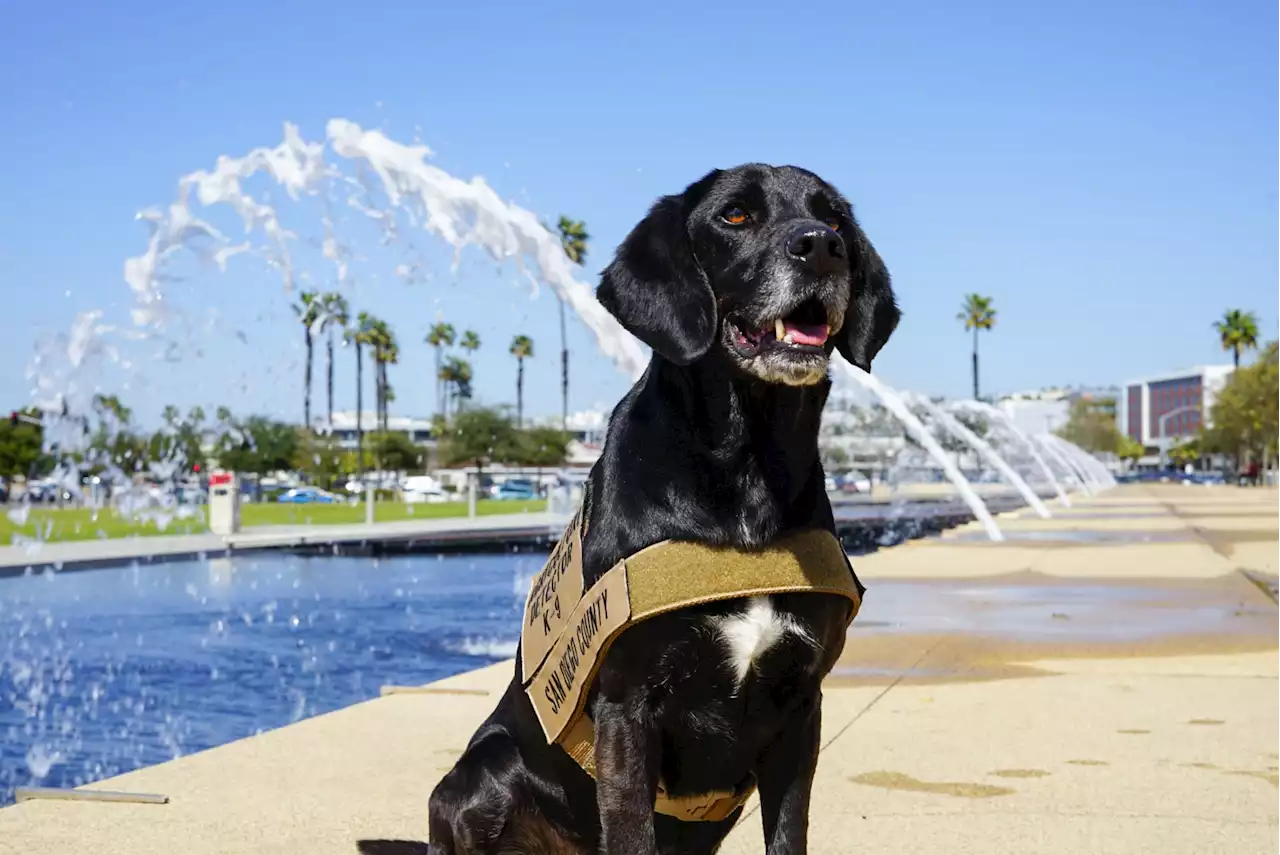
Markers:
<point>958,429</point>
<point>1070,466</point>
<point>1090,467</point>
<point>461,213</point>
<point>1026,441</point>
<point>921,434</point>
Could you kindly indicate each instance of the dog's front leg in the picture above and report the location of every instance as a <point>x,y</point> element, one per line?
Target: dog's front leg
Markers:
<point>628,755</point>
<point>785,780</point>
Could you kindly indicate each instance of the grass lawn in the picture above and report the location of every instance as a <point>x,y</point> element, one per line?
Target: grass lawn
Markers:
<point>52,524</point>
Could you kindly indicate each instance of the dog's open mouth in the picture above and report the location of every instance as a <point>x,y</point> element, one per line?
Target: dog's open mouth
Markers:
<point>804,330</point>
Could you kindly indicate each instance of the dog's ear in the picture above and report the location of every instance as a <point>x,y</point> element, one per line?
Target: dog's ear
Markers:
<point>873,312</point>
<point>655,288</point>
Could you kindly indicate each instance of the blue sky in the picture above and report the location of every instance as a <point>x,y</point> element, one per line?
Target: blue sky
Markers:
<point>1107,171</point>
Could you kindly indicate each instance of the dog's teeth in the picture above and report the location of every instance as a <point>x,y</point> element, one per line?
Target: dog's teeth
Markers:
<point>788,339</point>
<point>779,329</point>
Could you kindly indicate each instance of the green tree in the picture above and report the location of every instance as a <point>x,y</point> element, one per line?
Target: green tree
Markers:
<point>395,452</point>
<point>521,349</point>
<point>335,316</point>
<point>1187,451</point>
<point>978,314</point>
<point>320,458</point>
<point>442,335</point>
<point>835,458</point>
<point>1091,427</point>
<point>180,442</point>
<point>1238,331</point>
<point>542,447</point>
<point>1244,418</point>
<point>307,310</point>
<point>480,436</point>
<point>1128,448</point>
<point>259,445</point>
<point>574,238</point>
<point>113,441</point>
<point>456,377</point>
<point>22,446</point>
<point>470,342</point>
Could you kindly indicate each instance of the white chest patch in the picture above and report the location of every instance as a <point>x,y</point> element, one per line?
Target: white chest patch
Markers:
<point>749,635</point>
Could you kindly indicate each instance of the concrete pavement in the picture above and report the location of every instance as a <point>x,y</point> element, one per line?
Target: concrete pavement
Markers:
<point>1037,732</point>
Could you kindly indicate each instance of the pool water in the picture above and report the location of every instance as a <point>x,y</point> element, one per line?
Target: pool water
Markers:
<point>105,671</point>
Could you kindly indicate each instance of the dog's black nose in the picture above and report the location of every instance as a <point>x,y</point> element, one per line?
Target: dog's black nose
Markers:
<point>817,247</point>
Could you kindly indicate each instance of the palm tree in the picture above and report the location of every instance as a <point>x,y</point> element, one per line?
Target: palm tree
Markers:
<point>977,314</point>
<point>385,352</point>
<point>521,349</point>
<point>470,341</point>
<point>456,374</point>
<point>1238,331</point>
<point>360,335</point>
<point>308,311</point>
<point>440,337</point>
<point>335,315</point>
<point>573,237</point>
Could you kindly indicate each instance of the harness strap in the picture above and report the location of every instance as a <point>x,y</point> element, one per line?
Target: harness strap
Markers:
<point>579,742</point>
<point>563,643</point>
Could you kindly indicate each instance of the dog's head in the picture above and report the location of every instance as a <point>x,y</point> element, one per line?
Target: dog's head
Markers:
<point>765,264</point>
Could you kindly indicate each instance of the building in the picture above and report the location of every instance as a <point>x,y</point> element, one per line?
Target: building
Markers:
<point>344,428</point>
<point>1163,410</point>
<point>1047,410</point>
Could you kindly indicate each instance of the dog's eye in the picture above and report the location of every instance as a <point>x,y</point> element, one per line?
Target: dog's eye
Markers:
<point>734,215</point>
<point>833,224</point>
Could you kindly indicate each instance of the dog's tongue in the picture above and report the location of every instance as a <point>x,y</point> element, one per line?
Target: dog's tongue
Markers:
<point>813,334</point>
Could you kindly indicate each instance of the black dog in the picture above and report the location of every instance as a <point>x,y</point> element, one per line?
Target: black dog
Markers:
<point>742,285</point>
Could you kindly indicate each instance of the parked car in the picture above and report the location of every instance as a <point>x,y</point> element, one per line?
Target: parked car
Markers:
<point>855,482</point>
<point>306,495</point>
<point>45,491</point>
<point>517,489</point>
<point>422,488</point>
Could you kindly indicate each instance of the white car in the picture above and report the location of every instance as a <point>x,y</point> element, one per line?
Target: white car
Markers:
<point>422,488</point>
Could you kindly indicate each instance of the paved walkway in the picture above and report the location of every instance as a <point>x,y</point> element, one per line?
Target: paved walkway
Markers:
<point>1062,741</point>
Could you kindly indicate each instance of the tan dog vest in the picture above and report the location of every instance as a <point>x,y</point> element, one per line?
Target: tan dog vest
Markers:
<point>567,630</point>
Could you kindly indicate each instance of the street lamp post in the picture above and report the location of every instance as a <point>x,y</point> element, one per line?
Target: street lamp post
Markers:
<point>1161,435</point>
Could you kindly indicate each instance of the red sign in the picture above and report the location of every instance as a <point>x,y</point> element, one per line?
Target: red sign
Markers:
<point>219,478</point>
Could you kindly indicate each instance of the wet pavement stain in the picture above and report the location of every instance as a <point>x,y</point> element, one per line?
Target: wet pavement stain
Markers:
<point>1088,763</point>
<point>1206,721</point>
<point>966,630</point>
<point>1020,773</point>
<point>899,781</point>
<point>1133,731</point>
